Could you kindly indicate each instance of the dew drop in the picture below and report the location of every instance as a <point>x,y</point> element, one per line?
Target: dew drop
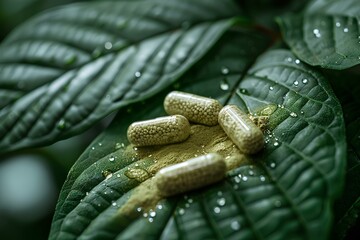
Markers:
<point>294,115</point>
<point>317,33</point>
<point>190,200</point>
<point>217,210</point>
<point>271,88</point>
<point>139,209</point>
<point>152,214</point>
<point>113,204</point>
<point>150,219</point>
<point>296,83</point>
<point>346,30</point>
<point>235,225</point>
<point>237,179</point>
<point>262,178</point>
<point>100,144</point>
<point>221,202</point>
<point>272,165</point>
<point>108,45</point>
<point>305,81</point>
<point>337,24</point>
<point>244,178</point>
<point>276,144</point>
<point>137,74</point>
<point>289,59</point>
<point>224,85</point>
<point>251,173</point>
<point>297,61</point>
<point>181,211</point>
<point>111,158</point>
<point>219,193</point>
<point>225,70</point>
<point>145,215</point>
<point>160,207</point>
<point>119,145</point>
<point>61,124</point>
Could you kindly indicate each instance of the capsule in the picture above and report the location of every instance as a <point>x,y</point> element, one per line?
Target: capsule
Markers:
<point>159,131</point>
<point>191,174</point>
<point>241,130</point>
<point>195,108</point>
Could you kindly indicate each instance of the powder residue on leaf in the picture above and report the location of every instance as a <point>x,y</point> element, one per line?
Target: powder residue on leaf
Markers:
<point>202,140</point>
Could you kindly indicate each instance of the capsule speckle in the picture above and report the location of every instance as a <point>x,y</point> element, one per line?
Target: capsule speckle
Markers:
<point>159,131</point>
<point>195,108</point>
<point>192,174</point>
<point>241,130</point>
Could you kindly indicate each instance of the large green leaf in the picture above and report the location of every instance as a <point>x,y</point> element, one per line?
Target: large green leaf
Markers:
<point>347,208</point>
<point>285,193</point>
<point>68,68</point>
<point>327,34</point>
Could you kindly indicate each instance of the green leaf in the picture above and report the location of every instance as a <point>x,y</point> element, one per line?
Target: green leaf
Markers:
<point>70,67</point>
<point>286,192</point>
<point>326,34</point>
<point>347,208</point>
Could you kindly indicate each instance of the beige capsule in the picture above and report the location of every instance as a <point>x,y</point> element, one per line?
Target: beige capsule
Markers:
<point>241,130</point>
<point>191,174</point>
<point>195,108</point>
<point>159,131</point>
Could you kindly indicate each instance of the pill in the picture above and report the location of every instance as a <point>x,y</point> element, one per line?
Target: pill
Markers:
<point>241,130</point>
<point>191,174</point>
<point>159,131</point>
<point>195,108</point>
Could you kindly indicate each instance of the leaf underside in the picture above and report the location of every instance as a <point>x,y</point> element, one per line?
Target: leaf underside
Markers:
<point>285,193</point>
<point>68,68</point>
<point>327,34</point>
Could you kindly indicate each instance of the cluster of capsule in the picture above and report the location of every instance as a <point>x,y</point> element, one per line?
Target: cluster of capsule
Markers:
<point>204,170</point>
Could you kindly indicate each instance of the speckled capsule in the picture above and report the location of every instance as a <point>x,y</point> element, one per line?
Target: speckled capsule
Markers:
<point>241,130</point>
<point>159,131</point>
<point>191,174</point>
<point>195,108</point>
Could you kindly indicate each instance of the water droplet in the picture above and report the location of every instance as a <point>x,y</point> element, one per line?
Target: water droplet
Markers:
<point>150,219</point>
<point>139,209</point>
<point>138,174</point>
<point>294,115</point>
<point>217,210</point>
<point>87,193</point>
<point>272,165</point>
<point>135,148</point>
<point>317,33</point>
<point>271,88</point>
<point>119,145</point>
<point>92,148</point>
<point>337,24</point>
<point>237,179</point>
<point>160,206</point>
<point>276,144</point>
<point>100,144</point>
<point>111,158</point>
<point>251,173</point>
<point>297,61</point>
<point>145,215</point>
<point>305,81</point>
<point>181,211</point>
<point>190,200</point>
<point>262,178</point>
<point>137,74</point>
<point>225,70</point>
<point>152,214</point>
<point>296,83</point>
<point>244,178</point>
<point>219,193</point>
<point>61,124</point>
<point>107,174</point>
<point>346,30</point>
<point>113,204</point>
<point>235,225</point>
<point>224,85</point>
<point>242,91</point>
<point>289,59</point>
<point>108,45</point>
<point>221,202</point>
